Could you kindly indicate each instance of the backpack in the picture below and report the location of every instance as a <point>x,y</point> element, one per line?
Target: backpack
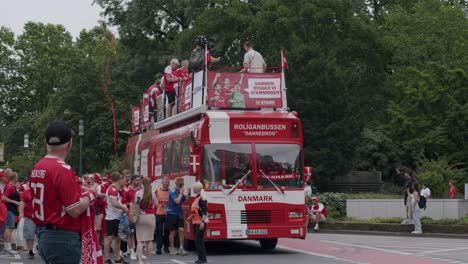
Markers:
<point>422,202</point>
<point>196,60</point>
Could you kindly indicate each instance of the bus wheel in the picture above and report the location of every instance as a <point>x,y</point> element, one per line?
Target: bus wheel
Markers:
<point>189,244</point>
<point>268,243</point>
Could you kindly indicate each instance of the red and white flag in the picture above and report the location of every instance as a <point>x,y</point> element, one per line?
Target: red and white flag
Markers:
<point>284,63</point>
<point>91,252</point>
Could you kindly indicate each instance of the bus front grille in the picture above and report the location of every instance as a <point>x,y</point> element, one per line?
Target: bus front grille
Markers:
<point>256,217</point>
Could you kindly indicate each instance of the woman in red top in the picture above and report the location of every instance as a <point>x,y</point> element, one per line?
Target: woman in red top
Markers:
<point>453,190</point>
<point>146,222</point>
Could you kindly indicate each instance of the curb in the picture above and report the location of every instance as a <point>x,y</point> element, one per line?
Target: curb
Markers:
<point>380,233</point>
<point>430,230</point>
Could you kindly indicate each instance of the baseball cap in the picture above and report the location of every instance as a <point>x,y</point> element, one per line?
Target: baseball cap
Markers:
<point>58,133</point>
<point>315,198</point>
<point>3,175</point>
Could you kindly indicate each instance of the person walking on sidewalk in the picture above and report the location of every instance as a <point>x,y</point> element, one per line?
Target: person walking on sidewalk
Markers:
<point>416,210</point>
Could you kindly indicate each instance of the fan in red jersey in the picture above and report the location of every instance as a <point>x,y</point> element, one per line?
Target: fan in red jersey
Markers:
<point>57,206</point>
<point>318,212</point>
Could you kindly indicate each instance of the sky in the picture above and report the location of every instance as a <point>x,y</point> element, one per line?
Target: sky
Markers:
<point>74,15</point>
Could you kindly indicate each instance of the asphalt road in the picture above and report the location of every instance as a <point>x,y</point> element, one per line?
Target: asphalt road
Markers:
<point>321,248</point>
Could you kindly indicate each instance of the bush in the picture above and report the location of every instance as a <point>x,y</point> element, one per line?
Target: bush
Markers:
<point>436,173</point>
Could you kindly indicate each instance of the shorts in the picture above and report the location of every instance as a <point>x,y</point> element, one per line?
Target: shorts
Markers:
<point>112,227</point>
<point>322,217</point>
<point>59,246</point>
<point>10,220</point>
<point>98,222</point>
<point>29,229</point>
<point>171,97</point>
<point>174,222</point>
<point>132,229</point>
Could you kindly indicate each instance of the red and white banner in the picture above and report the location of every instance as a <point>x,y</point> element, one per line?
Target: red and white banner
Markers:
<point>135,119</point>
<point>145,110</point>
<point>267,128</point>
<point>185,96</point>
<point>281,177</point>
<point>244,90</point>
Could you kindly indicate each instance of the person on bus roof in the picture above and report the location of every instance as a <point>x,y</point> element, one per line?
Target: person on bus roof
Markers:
<point>253,60</point>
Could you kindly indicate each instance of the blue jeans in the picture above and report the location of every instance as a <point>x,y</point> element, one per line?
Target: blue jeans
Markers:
<point>59,246</point>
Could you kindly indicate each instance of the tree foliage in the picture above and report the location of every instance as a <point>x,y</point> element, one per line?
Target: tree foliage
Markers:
<point>376,83</point>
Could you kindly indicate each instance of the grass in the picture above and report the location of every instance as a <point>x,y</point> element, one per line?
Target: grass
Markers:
<point>397,220</point>
<point>374,196</point>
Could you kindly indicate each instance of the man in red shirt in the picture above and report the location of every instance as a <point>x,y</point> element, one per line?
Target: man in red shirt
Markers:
<point>153,92</point>
<point>29,230</point>
<point>452,191</point>
<point>318,212</point>
<point>11,198</point>
<point>56,199</point>
<point>169,81</point>
<point>128,197</point>
<point>114,210</point>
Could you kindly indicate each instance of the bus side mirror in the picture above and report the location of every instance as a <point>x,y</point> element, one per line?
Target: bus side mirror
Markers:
<point>195,167</point>
<point>307,174</point>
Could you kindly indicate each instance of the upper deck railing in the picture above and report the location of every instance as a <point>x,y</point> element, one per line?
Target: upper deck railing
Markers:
<point>214,90</point>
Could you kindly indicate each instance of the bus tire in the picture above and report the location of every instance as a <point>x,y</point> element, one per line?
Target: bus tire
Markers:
<point>268,243</point>
<point>189,244</point>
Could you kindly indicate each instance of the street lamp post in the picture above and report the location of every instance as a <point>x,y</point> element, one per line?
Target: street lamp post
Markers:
<point>26,145</point>
<point>81,134</point>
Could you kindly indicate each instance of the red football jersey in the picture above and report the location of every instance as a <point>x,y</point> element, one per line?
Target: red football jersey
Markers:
<point>168,86</point>
<point>183,74</point>
<point>26,198</point>
<point>55,191</point>
<point>129,195</point>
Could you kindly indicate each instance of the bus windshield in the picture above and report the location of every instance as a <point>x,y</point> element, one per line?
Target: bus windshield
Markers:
<point>280,164</point>
<point>227,161</point>
<point>277,164</point>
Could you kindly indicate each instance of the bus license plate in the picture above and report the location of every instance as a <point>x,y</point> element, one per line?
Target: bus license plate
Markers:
<point>256,231</point>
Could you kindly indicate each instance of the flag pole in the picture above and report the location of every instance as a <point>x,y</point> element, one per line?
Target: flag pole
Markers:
<point>283,83</point>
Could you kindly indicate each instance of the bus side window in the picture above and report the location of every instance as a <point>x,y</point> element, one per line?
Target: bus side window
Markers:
<point>185,155</point>
<point>167,158</point>
<point>175,156</point>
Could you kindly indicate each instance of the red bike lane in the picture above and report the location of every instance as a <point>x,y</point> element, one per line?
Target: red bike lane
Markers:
<point>357,253</point>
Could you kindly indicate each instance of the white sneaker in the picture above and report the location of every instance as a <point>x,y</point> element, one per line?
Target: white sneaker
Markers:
<point>133,256</point>
<point>405,222</point>
<point>316,227</point>
<point>417,232</point>
<point>182,252</point>
<point>143,256</point>
<point>173,251</point>
<point>9,252</point>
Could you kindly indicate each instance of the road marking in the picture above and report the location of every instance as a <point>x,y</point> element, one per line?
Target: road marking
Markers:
<point>321,255</point>
<point>368,247</point>
<point>177,261</point>
<point>442,250</point>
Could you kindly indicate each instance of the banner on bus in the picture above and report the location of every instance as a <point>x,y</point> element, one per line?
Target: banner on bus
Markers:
<point>135,119</point>
<point>281,177</point>
<point>244,90</point>
<point>145,111</point>
<point>241,128</point>
<point>185,96</point>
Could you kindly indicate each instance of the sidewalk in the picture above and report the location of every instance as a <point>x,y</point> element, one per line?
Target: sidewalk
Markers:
<point>430,230</point>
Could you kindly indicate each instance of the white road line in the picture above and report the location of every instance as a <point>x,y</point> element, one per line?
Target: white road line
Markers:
<point>395,252</point>
<point>367,247</point>
<point>321,255</point>
<point>442,250</point>
<point>177,261</point>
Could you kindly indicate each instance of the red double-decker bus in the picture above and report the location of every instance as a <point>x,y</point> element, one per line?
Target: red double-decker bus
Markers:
<point>249,159</point>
